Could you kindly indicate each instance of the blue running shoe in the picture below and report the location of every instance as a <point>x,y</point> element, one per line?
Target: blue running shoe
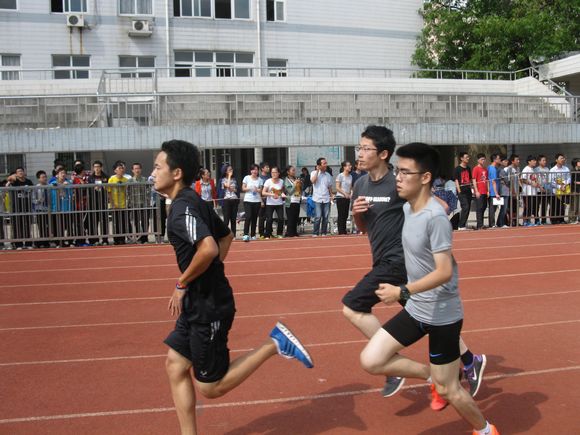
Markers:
<point>289,346</point>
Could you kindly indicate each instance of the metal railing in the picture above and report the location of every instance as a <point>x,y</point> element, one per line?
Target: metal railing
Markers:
<point>79,214</point>
<point>114,110</point>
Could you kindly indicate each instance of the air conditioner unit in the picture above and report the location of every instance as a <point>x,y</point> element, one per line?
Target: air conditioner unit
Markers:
<point>75,20</point>
<point>141,28</point>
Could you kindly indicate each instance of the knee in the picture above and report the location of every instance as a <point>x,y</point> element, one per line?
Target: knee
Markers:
<point>369,364</point>
<point>176,366</point>
<point>450,393</point>
<point>210,391</point>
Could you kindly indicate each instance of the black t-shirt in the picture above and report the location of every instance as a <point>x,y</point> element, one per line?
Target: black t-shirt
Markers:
<point>384,218</point>
<point>22,198</point>
<point>209,297</point>
<point>463,176</point>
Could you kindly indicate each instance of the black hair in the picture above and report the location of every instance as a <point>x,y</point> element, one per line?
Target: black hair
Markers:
<point>462,153</point>
<point>382,138</point>
<point>513,157</point>
<point>558,156</point>
<point>480,155</point>
<point>58,162</point>
<point>541,156</point>
<point>530,158</point>
<point>319,160</point>
<point>493,156</point>
<point>182,155</point>
<point>137,164</point>
<point>98,162</point>
<point>263,165</point>
<point>254,166</point>
<point>40,173</point>
<point>118,163</point>
<point>426,157</point>
<point>17,168</point>
<point>343,164</point>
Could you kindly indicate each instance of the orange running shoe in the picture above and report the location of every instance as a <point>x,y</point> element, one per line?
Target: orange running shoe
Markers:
<point>437,402</point>
<point>493,430</point>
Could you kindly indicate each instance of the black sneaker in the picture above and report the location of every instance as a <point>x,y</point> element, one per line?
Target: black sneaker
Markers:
<point>392,385</point>
<point>474,374</point>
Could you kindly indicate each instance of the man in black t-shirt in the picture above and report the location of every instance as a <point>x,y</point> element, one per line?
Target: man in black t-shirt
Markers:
<point>202,297</point>
<point>21,201</point>
<point>462,178</point>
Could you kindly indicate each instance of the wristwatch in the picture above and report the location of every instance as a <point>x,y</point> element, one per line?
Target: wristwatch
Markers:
<point>405,294</point>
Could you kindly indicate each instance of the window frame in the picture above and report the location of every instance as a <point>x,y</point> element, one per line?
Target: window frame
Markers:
<point>10,68</point>
<point>212,13</point>
<point>137,71</point>
<point>15,9</point>
<point>65,3</point>
<point>4,162</point>
<point>277,71</point>
<point>72,69</point>
<point>136,13</point>
<point>276,19</point>
<point>217,69</point>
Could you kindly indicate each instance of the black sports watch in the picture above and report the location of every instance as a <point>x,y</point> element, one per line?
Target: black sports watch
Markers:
<point>405,294</point>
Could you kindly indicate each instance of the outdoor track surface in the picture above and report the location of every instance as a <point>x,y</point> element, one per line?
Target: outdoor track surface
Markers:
<point>81,334</point>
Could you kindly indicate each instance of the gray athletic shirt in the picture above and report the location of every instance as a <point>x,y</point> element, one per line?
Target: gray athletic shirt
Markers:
<point>425,233</point>
<point>384,219</point>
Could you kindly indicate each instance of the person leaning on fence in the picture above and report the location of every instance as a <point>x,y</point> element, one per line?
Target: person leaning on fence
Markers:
<point>138,198</point>
<point>513,174</point>
<point>560,180</point>
<point>40,209</point>
<point>544,189</point>
<point>21,202</point>
<point>117,188</point>
<point>494,187</point>
<point>80,218</point>
<point>97,203</point>
<point>293,189</point>
<point>252,186</point>
<point>574,210</point>
<point>61,207</point>
<point>530,192</point>
<point>480,187</point>
<point>462,178</point>
<point>343,194</point>
<point>504,190</point>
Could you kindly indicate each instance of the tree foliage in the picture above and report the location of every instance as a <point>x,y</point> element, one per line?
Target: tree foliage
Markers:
<point>496,35</point>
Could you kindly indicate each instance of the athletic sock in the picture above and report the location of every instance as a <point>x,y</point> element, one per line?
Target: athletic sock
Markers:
<point>486,430</point>
<point>467,359</point>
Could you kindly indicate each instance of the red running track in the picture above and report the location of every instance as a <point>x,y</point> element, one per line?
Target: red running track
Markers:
<point>81,332</point>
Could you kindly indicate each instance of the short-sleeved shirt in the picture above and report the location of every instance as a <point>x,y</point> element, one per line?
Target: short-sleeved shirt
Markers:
<point>274,187</point>
<point>209,297</point>
<point>514,179</point>
<point>492,174</point>
<point>425,233</point>
<point>254,184</point>
<point>384,219</point>
<point>463,177</point>
<point>118,191</point>
<point>345,184</point>
<point>229,194</point>
<point>320,192</point>
<point>529,174</point>
<point>481,180</point>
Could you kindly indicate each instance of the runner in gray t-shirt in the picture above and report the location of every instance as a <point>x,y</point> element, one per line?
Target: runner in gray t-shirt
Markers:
<point>433,305</point>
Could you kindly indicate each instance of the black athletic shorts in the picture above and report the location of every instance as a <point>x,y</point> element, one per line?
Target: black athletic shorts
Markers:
<point>443,339</point>
<point>362,297</point>
<point>205,345</point>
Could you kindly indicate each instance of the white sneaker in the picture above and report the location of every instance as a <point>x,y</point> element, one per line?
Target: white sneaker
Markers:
<point>461,229</point>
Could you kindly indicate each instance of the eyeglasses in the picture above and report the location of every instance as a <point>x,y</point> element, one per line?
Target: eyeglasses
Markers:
<point>364,149</point>
<point>404,173</point>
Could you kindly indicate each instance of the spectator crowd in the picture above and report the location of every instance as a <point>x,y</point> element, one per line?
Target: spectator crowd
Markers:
<point>89,207</point>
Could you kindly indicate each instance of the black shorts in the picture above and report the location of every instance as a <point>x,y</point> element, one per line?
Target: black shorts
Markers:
<point>205,345</point>
<point>362,297</point>
<point>443,339</point>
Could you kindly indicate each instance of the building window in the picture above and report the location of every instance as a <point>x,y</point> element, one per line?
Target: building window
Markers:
<point>8,4</point>
<point>9,67</point>
<point>277,67</point>
<point>69,158</point>
<point>146,63</point>
<point>136,7</point>
<point>70,67</point>
<point>60,6</point>
<point>275,10</point>
<point>9,162</point>
<point>213,64</point>
<point>223,9</point>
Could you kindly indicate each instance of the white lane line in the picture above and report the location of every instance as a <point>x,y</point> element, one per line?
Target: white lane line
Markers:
<point>262,402</point>
<point>269,260</point>
<point>327,344</point>
<point>253,275</point>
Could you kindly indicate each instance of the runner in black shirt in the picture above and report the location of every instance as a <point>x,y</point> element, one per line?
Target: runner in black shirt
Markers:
<point>202,296</point>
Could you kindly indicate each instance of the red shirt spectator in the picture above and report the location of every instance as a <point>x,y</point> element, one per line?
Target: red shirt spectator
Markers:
<point>480,178</point>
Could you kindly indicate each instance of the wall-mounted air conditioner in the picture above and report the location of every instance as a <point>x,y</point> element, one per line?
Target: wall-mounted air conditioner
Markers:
<point>141,28</point>
<point>75,20</point>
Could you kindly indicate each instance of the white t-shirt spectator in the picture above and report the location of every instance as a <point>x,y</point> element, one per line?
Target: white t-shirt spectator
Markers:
<point>345,184</point>
<point>320,192</point>
<point>253,194</point>
<point>271,186</point>
<point>530,176</point>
